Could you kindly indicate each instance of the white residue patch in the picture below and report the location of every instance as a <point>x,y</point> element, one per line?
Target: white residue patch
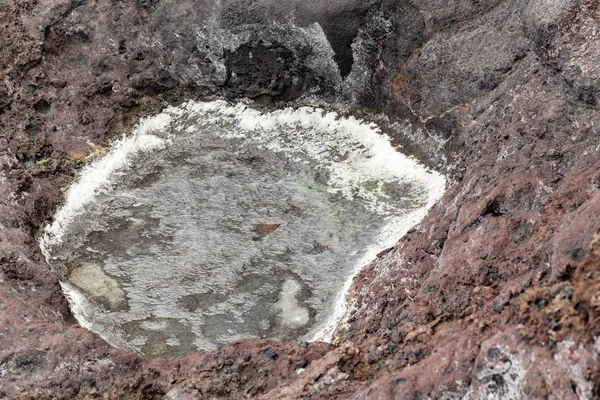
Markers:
<point>153,325</point>
<point>290,313</point>
<point>569,357</point>
<point>91,279</point>
<point>500,379</point>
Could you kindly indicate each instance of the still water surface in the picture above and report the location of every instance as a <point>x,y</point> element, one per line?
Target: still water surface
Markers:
<point>220,222</point>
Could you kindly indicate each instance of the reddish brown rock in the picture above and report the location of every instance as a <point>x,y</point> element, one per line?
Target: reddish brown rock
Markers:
<point>495,293</point>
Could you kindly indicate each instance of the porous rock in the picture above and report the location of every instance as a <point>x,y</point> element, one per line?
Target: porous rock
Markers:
<point>502,96</point>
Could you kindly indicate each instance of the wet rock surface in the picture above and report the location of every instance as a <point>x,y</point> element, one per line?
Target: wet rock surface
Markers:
<point>494,294</point>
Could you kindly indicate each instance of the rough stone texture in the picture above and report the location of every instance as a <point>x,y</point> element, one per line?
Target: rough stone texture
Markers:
<point>495,294</point>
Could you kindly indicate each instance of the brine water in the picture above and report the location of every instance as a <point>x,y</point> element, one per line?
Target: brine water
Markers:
<point>214,221</point>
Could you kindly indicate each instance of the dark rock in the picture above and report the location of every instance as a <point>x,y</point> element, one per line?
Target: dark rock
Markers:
<point>102,87</point>
<point>42,106</point>
<point>5,98</point>
<point>341,28</point>
<point>78,34</point>
<point>260,69</point>
<point>153,84</point>
<point>85,119</point>
<point>497,207</point>
<point>58,83</point>
<point>25,362</point>
<point>588,95</point>
<point>148,4</point>
<point>269,353</point>
<point>578,254</point>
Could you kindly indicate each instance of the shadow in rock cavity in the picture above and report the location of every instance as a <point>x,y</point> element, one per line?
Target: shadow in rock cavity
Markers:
<point>214,222</point>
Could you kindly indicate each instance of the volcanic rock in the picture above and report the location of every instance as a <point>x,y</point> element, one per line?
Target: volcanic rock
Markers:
<point>494,294</point>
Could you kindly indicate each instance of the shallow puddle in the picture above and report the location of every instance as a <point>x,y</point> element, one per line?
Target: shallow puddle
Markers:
<point>214,222</point>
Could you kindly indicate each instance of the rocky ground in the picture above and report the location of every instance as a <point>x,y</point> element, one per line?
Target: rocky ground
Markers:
<point>496,294</point>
